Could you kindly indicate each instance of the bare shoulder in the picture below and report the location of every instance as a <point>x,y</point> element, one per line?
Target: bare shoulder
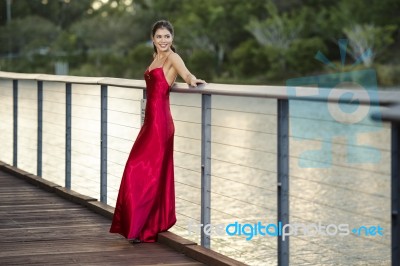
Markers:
<point>178,65</point>
<point>175,58</point>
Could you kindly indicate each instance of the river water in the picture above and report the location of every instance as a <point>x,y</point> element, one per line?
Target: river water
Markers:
<point>325,196</point>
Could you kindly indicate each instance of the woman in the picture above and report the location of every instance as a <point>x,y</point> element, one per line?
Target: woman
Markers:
<point>146,199</point>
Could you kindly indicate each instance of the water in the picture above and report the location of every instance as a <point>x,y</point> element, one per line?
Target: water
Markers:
<point>243,169</point>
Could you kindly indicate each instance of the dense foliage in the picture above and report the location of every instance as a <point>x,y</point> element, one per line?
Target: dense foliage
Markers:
<point>229,41</point>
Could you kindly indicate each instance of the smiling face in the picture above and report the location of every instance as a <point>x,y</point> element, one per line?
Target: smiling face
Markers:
<point>162,40</point>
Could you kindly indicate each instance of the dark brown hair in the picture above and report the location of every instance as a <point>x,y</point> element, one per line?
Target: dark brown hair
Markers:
<point>159,25</point>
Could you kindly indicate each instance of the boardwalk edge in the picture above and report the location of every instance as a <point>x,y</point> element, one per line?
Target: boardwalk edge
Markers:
<point>194,251</point>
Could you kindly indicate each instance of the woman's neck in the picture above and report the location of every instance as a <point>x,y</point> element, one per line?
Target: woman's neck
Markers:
<point>162,55</point>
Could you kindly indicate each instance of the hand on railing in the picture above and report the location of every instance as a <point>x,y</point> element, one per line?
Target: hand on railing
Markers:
<point>199,85</point>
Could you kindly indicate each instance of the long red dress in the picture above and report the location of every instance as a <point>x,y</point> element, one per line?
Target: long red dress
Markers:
<point>146,199</point>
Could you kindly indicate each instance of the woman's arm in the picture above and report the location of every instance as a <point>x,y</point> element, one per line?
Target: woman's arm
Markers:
<point>182,70</point>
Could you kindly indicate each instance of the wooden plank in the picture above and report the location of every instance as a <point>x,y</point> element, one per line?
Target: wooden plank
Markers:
<point>39,228</point>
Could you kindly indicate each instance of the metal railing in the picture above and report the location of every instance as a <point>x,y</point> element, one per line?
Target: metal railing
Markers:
<point>389,99</point>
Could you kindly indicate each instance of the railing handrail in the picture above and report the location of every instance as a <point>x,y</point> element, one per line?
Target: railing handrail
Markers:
<point>383,98</point>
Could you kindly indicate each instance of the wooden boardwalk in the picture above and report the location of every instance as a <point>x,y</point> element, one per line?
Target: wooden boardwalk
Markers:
<point>39,228</point>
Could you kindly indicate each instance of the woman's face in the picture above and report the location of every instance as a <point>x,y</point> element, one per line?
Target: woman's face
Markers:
<point>163,40</point>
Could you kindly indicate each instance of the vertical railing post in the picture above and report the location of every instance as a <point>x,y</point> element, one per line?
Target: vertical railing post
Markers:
<point>103,152</point>
<point>15,121</point>
<point>39,127</point>
<point>395,187</point>
<point>283,178</point>
<point>205,167</point>
<point>68,110</point>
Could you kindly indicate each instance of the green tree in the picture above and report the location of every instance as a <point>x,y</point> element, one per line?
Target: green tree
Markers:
<point>27,39</point>
<point>368,41</point>
<point>224,40</point>
<point>216,26</point>
<point>251,59</point>
<point>60,12</point>
<point>276,34</point>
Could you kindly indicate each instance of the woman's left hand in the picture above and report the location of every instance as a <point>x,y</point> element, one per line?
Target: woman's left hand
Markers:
<point>196,82</point>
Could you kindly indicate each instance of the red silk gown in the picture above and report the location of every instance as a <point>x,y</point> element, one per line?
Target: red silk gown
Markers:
<point>146,199</point>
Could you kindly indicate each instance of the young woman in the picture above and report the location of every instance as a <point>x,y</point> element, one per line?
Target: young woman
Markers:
<point>146,199</point>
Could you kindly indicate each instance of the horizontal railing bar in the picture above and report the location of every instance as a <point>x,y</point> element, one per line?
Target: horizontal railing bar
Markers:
<point>188,169</point>
<point>187,216</point>
<point>229,214</point>
<point>246,166</point>
<point>85,118</point>
<point>54,91</point>
<point>29,99</point>
<point>185,137</point>
<point>122,112</point>
<point>85,106</point>
<point>24,147</point>
<point>47,101</point>
<point>246,184</point>
<point>242,112</point>
<point>187,153</point>
<point>79,179</point>
<point>258,91</point>
<point>121,125</point>
<point>279,92</point>
<point>55,166</point>
<point>245,130</point>
<point>51,133</point>
<point>82,186</point>
<point>186,121</point>
<point>183,105</point>
<point>388,114</point>
<point>242,147</point>
<point>186,184</point>
<point>86,94</point>
<point>116,150</point>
